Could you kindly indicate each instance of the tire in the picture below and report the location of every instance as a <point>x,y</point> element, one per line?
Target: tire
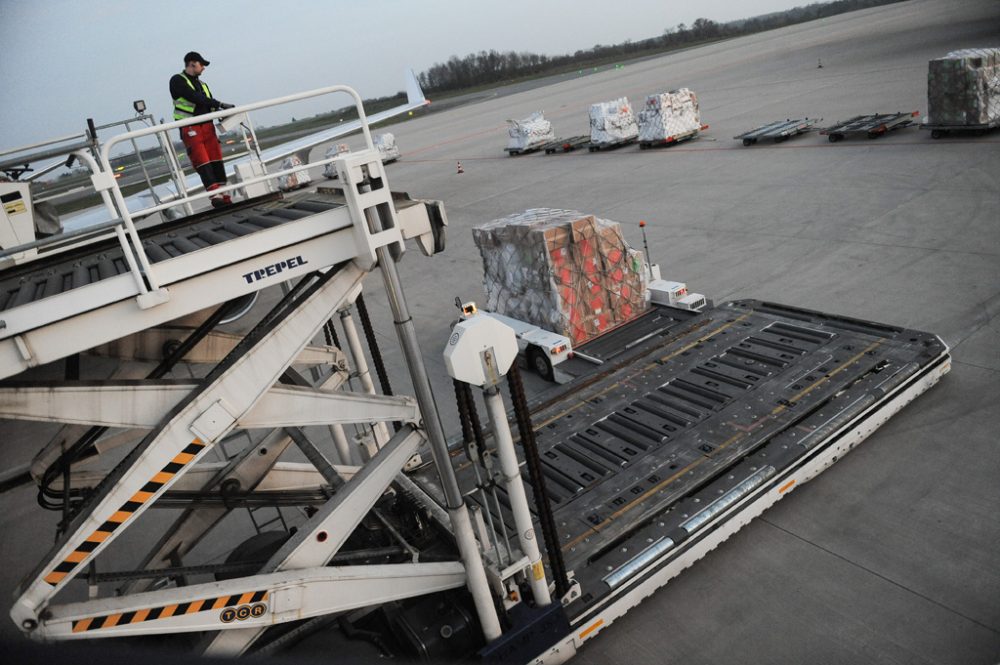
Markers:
<point>540,364</point>
<point>936,133</point>
<point>747,142</point>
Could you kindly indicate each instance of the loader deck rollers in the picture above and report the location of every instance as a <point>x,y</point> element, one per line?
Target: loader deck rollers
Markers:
<point>672,445</point>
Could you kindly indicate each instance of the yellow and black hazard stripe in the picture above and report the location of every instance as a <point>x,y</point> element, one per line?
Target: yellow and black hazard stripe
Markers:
<point>125,512</point>
<point>166,611</point>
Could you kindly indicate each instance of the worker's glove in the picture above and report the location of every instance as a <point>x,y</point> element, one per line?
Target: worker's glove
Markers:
<point>223,105</point>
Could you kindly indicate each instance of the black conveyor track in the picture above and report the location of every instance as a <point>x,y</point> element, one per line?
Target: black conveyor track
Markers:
<point>69,270</point>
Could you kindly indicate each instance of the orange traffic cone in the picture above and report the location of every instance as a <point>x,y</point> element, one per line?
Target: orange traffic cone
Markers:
<point>460,169</point>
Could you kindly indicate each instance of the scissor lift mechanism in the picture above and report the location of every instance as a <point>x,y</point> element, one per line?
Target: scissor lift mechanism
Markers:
<point>692,425</point>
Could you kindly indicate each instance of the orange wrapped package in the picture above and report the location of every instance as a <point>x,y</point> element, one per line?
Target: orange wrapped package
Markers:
<point>561,270</point>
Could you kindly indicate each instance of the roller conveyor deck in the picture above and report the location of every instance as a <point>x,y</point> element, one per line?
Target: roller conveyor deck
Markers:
<point>77,295</point>
<point>737,399</point>
<point>92,263</point>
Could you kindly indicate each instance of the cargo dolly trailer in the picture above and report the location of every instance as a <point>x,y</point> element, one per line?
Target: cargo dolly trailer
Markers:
<point>566,145</point>
<point>778,131</point>
<point>940,130</point>
<point>609,145</point>
<point>871,126</point>
<point>672,140</point>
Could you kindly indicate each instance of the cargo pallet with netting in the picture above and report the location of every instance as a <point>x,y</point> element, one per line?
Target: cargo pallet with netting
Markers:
<point>778,131</point>
<point>872,126</point>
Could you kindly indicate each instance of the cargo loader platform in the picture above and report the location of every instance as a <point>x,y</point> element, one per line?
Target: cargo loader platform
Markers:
<point>691,430</point>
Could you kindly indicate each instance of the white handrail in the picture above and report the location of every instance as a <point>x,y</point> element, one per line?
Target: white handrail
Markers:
<point>250,181</point>
<point>129,257</point>
<point>267,103</point>
<point>119,199</point>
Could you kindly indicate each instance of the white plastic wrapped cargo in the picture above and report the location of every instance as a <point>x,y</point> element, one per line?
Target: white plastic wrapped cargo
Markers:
<point>330,171</point>
<point>963,88</point>
<point>386,145</point>
<point>612,122</point>
<point>293,180</point>
<point>668,115</point>
<point>529,133</point>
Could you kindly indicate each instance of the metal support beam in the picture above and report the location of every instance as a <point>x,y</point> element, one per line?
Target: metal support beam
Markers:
<point>282,476</point>
<point>518,498</point>
<point>147,345</point>
<point>251,602</point>
<point>143,404</point>
<point>190,430</point>
<point>361,365</point>
<point>248,471</point>
<point>461,523</point>
<point>316,541</point>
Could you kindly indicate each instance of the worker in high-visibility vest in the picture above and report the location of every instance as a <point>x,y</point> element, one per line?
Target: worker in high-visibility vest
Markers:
<point>191,98</point>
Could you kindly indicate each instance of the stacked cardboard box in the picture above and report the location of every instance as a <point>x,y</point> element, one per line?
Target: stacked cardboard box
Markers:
<point>561,270</point>
<point>669,114</point>
<point>612,122</point>
<point>963,88</point>
<point>529,133</point>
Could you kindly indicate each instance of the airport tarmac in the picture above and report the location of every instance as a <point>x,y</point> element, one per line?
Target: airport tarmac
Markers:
<point>892,555</point>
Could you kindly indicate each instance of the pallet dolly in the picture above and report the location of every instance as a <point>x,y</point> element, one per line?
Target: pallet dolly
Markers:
<point>872,126</point>
<point>778,131</point>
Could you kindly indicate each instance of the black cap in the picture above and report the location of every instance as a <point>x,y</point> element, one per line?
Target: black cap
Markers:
<point>194,56</point>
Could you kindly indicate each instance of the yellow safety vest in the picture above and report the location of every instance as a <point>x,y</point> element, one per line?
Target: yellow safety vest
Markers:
<point>184,108</point>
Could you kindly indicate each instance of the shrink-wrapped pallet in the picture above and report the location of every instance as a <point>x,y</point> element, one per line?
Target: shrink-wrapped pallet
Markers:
<point>386,146</point>
<point>612,122</point>
<point>963,88</point>
<point>561,270</point>
<point>291,181</point>
<point>330,170</point>
<point>529,133</point>
<point>668,115</point>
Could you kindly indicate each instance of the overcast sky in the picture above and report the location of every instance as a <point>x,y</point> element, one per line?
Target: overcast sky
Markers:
<point>63,61</point>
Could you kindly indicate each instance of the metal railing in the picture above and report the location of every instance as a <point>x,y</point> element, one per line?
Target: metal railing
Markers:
<point>114,200</point>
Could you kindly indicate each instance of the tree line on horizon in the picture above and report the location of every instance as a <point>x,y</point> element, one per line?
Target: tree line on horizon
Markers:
<point>491,67</point>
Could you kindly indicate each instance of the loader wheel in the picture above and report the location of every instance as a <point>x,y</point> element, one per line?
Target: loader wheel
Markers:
<point>539,362</point>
